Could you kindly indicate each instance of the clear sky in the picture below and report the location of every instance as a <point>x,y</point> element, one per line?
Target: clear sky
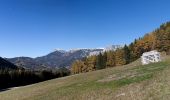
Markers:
<point>36,27</point>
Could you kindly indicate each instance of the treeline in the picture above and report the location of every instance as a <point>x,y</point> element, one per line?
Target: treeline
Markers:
<point>156,40</point>
<point>14,78</point>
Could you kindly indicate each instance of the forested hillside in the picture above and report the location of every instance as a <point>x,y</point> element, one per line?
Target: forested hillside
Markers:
<point>4,64</point>
<point>159,40</point>
<point>12,75</point>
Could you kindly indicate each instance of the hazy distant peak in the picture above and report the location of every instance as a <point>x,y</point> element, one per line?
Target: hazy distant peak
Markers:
<point>112,47</point>
<point>60,50</point>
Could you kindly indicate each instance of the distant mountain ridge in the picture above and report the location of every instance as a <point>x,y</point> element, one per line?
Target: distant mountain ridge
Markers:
<point>58,58</point>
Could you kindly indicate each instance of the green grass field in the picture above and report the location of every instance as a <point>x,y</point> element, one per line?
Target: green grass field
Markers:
<point>129,82</point>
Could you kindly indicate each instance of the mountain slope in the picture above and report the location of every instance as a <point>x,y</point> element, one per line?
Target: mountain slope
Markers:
<point>59,59</point>
<point>4,64</point>
<point>27,63</point>
<point>128,82</point>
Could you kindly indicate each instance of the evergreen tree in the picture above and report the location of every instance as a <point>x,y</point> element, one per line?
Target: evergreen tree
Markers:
<point>127,55</point>
<point>104,60</point>
<point>100,63</point>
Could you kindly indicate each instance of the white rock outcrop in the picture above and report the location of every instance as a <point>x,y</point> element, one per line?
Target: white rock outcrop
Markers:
<point>150,57</point>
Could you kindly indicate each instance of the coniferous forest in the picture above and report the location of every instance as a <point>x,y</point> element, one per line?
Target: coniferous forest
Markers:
<point>20,77</point>
<point>159,40</point>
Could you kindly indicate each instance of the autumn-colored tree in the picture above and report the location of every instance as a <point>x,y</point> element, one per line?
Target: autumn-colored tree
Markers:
<point>119,57</point>
<point>163,38</point>
<point>77,67</point>
<point>90,63</point>
<point>110,59</point>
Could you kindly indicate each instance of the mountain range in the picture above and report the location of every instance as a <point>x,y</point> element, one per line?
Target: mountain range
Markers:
<point>58,58</point>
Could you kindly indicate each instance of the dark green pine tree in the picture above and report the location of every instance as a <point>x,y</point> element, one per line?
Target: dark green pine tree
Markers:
<point>132,53</point>
<point>127,54</point>
<point>105,60</point>
<point>99,62</point>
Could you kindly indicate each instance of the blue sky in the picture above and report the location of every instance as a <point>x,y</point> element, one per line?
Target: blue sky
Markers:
<point>36,27</point>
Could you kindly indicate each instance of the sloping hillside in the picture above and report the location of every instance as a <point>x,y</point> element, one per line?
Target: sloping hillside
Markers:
<point>130,82</point>
<point>4,64</point>
<point>158,40</point>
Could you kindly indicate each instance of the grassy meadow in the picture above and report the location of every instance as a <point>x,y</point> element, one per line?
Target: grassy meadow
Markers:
<point>129,82</point>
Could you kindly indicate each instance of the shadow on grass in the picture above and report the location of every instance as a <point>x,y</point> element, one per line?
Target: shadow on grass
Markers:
<point>2,90</point>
